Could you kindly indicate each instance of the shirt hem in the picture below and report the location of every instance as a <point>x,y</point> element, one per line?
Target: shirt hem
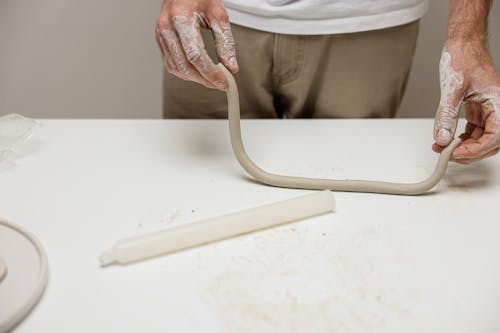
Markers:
<point>328,26</point>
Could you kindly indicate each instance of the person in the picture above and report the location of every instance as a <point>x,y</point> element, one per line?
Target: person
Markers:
<point>328,58</point>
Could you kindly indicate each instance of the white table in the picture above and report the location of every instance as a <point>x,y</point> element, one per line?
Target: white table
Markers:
<point>380,263</point>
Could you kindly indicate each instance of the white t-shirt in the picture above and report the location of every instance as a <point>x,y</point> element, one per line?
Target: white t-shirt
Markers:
<point>318,17</point>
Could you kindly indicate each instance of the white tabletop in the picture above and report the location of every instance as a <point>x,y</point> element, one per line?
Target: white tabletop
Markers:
<point>380,263</point>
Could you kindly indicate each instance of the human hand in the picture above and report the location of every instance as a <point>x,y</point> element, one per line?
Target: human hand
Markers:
<point>467,75</point>
<point>181,45</point>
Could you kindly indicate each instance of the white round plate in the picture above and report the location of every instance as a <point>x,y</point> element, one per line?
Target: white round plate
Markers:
<point>25,274</point>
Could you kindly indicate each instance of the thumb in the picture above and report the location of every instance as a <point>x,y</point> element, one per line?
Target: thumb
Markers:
<point>445,124</point>
<point>452,94</point>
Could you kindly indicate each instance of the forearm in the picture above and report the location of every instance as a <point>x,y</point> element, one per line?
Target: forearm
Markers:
<point>468,22</point>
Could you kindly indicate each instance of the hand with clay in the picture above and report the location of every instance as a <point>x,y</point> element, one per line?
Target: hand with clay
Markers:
<point>467,75</point>
<point>181,45</point>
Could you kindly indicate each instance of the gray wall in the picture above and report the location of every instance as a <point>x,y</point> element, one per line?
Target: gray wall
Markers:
<point>79,58</point>
<point>91,58</point>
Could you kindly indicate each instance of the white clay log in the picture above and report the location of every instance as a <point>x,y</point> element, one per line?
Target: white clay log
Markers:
<point>218,228</point>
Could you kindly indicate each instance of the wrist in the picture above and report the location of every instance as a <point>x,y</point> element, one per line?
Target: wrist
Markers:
<point>467,36</point>
<point>470,51</point>
<point>479,44</point>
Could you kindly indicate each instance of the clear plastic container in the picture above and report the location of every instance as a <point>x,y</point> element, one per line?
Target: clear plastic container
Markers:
<point>14,130</point>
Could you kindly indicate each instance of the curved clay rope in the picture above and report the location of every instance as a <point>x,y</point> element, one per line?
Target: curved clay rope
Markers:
<point>315,183</point>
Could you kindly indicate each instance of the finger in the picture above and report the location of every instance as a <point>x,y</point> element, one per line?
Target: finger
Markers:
<point>166,56</point>
<point>472,160</point>
<point>194,49</point>
<point>452,93</point>
<point>482,140</point>
<point>475,148</point>
<point>224,44</point>
<point>473,113</point>
<point>158,42</point>
<point>183,69</point>
<point>437,148</point>
<point>469,129</point>
<point>163,23</point>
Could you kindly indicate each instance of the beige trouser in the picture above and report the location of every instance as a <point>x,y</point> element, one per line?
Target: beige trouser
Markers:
<point>291,76</point>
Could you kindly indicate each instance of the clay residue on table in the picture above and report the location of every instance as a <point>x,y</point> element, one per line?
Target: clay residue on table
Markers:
<point>290,280</point>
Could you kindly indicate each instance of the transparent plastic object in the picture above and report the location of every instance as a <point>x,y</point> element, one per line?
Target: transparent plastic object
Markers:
<point>14,130</point>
